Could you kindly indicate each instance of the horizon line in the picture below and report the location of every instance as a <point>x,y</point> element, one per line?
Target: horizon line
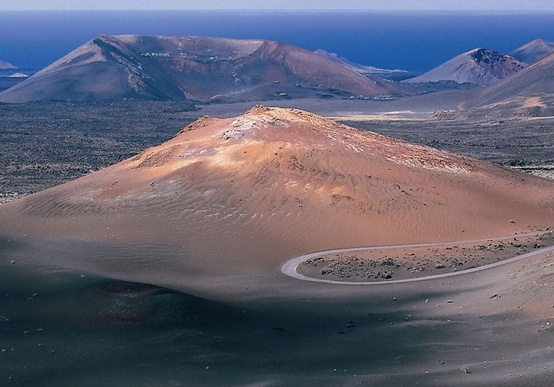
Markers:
<point>325,10</point>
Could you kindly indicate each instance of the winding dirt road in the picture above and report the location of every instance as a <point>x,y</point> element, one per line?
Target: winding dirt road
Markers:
<point>290,267</point>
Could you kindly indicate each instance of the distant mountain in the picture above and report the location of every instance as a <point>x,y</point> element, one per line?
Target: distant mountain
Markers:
<point>529,92</point>
<point>479,66</point>
<point>533,51</point>
<point>6,66</point>
<point>18,75</point>
<point>10,75</point>
<point>194,68</point>
<point>367,70</point>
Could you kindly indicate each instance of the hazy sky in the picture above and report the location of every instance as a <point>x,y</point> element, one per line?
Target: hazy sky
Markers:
<point>438,5</point>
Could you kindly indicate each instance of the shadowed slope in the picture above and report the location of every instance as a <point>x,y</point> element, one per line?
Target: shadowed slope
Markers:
<point>103,68</point>
<point>217,209</point>
<point>533,51</point>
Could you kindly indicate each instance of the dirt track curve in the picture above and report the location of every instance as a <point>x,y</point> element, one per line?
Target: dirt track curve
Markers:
<point>289,268</point>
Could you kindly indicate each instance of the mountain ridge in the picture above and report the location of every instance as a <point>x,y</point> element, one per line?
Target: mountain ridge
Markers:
<point>529,93</point>
<point>193,68</point>
<point>479,66</point>
<point>533,51</point>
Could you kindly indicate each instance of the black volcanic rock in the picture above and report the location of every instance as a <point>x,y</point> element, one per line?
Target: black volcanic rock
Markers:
<point>193,68</point>
<point>480,66</point>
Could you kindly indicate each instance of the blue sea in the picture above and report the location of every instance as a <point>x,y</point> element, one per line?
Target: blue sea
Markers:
<point>415,42</point>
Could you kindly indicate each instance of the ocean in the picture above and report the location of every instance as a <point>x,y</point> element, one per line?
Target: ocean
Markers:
<point>414,42</point>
